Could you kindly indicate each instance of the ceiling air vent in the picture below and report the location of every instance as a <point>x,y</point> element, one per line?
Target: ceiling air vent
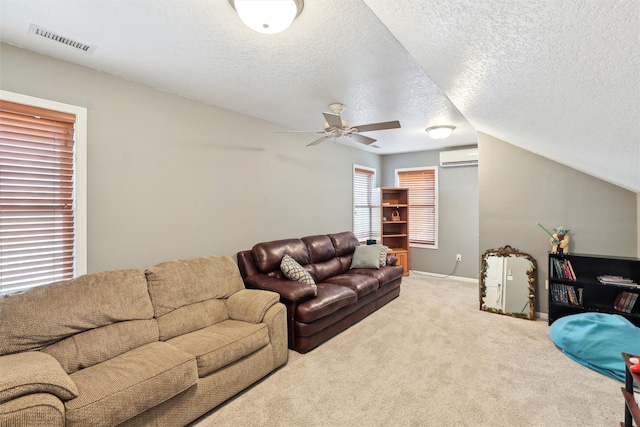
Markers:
<point>48,34</point>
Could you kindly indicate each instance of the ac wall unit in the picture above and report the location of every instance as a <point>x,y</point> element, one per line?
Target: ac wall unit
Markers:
<point>464,157</point>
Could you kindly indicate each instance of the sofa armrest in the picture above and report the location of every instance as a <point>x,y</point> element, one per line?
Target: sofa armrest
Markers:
<point>250,305</point>
<point>33,372</point>
<point>392,259</point>
<point>289,290</point>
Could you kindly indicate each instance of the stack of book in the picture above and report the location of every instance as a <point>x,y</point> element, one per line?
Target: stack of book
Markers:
<point>566,294</point>
<point>608,279</point>
<point>625,301</point>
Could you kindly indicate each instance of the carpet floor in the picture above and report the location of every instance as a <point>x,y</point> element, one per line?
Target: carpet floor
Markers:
<point>430,358</point>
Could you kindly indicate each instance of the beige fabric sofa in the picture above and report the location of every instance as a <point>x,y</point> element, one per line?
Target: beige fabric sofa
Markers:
<point>159,347</point>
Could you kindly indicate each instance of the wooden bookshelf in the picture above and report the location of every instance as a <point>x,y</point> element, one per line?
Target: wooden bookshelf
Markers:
<point>394,223</point>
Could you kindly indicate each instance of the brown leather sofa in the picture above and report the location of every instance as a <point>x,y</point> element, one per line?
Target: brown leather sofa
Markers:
<point>344,295</point>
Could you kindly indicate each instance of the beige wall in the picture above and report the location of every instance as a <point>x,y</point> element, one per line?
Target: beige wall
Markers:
<point>172,178</point>
<point>519,189</point>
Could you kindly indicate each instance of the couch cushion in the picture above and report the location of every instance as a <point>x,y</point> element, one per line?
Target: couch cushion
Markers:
<point>384,274</point>
<point>120,388</point>
<point>320,248</point>
<point>325,269</point>
<point>47,409</point>
<point>192,317</point>
<point>268,255</point>
<point>97,345</point>
<point>178,283</point>
<point>330,298</point>
<point>221,344</point>
<point>45,315</point>
<point>362,284</point>
<point>345,243</point>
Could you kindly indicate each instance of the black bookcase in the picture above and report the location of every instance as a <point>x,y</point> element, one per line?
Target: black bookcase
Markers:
<point>575,287</point>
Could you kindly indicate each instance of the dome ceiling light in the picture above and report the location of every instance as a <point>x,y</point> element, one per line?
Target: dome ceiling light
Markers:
<point>268,16</point>
<point>440,132</point>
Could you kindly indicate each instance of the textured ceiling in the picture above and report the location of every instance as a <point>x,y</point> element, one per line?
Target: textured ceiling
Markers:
<point>558,78</point>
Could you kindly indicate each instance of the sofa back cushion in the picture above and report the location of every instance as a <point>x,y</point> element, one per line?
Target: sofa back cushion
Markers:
<point>64,318</point>
<point>190,294</point>
<point>268,255</point>
<point>323,257</point>
<point>345,244</point>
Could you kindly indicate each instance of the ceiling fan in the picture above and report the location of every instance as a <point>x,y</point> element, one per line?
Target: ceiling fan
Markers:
<point>337,127</point>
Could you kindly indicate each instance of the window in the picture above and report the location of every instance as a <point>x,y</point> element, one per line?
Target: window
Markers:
<point>366,215</point>
<point>423,204</point>
<point>42,192</point>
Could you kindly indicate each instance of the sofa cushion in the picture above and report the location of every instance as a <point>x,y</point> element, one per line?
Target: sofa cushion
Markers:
<point>40,409</point>
<point>268,255</point>
<point>366,257</point>
<point>97,345</point>
<point>222,344</point>
<point>120,388</point>
<point>362,284</point>
<point>330,298</point>
<point>47,314</point>
<point>294,271</point>
<point>384,274</point>
<point>326,269</point>
<point>320,248</point>
<point>34,372</point>
<point>192,317</point>
<point>345,243</point>
<point>178,283</point>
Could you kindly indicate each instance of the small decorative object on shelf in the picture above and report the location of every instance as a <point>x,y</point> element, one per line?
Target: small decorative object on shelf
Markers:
<point>581,283</point>
<point>559,240</point>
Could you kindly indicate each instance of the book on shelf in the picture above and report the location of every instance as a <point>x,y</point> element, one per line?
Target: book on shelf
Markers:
<point>566,294</point>
<point>564,269</point>
<point>625,301</point>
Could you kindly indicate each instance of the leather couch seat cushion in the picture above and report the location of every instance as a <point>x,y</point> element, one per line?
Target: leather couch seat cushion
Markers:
<point>120,388</point>
<point>330,298</point>
<point>385,274</point>
<point>360,283</point>
<point>222,344</point>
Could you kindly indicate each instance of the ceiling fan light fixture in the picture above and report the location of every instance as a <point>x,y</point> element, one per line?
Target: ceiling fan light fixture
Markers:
<point>268,16</point>
<point>440,132</point>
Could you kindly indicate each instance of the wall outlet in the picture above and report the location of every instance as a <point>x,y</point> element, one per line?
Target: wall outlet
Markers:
<point>458,257</point>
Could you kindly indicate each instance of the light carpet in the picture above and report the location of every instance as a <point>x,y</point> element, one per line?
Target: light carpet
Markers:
<point>430,358</point>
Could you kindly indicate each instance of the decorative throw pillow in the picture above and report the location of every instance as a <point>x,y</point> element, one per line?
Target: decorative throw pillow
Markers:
<point>366,257</point>
<point>383,255</point>
<point>294,271</point>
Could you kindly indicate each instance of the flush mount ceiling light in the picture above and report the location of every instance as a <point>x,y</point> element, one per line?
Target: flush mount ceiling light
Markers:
<point>268,16</point>
<point>440,132</point>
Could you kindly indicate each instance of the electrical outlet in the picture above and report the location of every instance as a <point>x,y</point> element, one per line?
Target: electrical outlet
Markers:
<point>458,257</point>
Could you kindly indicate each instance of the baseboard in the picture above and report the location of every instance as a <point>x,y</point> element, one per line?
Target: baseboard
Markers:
<point>539,315</point>
<point>441,276</point>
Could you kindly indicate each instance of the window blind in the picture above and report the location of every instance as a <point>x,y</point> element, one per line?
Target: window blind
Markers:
<point>37,223</point>
<point>364,222</point>
<point>422,204</point>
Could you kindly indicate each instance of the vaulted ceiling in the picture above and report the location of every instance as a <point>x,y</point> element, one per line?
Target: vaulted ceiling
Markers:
<point>557,78</point>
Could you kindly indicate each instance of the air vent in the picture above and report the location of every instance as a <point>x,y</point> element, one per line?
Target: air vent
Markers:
<point>51,35</point>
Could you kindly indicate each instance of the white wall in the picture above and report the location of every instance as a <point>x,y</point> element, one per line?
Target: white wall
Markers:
<point>172,178</point>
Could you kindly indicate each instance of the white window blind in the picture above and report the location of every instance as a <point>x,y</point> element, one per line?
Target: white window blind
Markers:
<point>37,221</point>
<point>423,204</point>
<point>366,221</point>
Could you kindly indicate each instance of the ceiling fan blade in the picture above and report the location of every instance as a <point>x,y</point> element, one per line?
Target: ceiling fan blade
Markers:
<point>378,126</point>
<point>363,139</point>
<point>318,141</point>
<point>334,120</point>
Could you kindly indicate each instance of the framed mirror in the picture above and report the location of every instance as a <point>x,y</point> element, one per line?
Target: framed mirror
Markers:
<point>508,283</point>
